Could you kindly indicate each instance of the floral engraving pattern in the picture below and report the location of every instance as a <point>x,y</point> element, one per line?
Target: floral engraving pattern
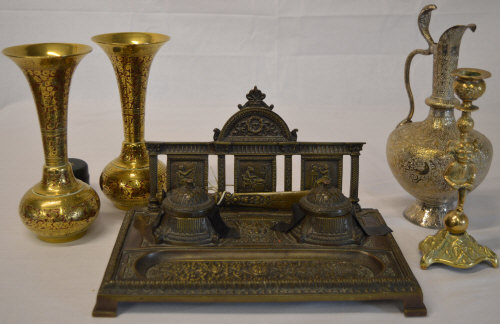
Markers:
<point>417,154</point>
<point>50,89</point>
<point>460,250</point>
<point>257,271</point>
<point>132,73</point>
<point>249,200</point>
<point>255,126</point>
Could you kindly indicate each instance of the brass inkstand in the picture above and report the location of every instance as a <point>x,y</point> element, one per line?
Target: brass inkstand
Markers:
<point>452,245</point>
<point>255,244</point>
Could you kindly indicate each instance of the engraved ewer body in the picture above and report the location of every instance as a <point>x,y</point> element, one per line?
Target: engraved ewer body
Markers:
<point>417,151</point>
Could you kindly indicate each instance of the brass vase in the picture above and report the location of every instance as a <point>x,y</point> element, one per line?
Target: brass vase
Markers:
<point>417,151</point>
<point>59,208</point>
<point>125,180</point>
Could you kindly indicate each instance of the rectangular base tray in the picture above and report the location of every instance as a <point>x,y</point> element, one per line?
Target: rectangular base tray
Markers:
<point>262,265</point>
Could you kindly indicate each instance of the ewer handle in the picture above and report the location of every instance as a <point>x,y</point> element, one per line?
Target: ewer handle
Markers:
<point>424,19</point>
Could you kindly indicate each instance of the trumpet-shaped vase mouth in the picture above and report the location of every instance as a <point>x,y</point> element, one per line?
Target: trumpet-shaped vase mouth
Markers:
<point>132,38</point>
<point>47,50</point>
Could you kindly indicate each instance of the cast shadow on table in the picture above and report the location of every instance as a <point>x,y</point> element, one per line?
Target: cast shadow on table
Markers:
<point>320,307</point>
<point>483,210</point>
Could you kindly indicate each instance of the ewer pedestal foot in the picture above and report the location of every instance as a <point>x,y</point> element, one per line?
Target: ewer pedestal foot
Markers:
<point>426,215</point>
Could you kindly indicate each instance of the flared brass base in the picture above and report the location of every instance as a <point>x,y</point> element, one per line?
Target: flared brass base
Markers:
<point>458,251</point>
<point>426,215</point>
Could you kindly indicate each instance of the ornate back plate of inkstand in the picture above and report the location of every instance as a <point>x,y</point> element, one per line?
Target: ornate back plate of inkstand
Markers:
<point>255,244</point>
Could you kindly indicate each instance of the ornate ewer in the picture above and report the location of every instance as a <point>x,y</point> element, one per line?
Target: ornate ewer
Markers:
<point>452,245</point>
<point>417,151</point>
<point>59,208</point>
<point>125,180</point>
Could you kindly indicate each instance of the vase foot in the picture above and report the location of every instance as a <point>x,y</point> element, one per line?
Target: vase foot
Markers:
<point>127,207</point>
<point>425,215</point>
<point>63,239</point>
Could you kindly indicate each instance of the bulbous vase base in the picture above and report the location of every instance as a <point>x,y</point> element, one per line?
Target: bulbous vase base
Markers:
<point>60,218</point>
<point>129,187</point>
<point>426,215</point>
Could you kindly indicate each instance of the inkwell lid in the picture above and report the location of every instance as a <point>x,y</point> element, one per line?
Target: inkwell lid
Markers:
<point>324,200</point>
<point>188,199</point>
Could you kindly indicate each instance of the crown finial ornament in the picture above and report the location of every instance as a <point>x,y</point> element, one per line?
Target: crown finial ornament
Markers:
<point>452,245</point>
<point>256,100</point>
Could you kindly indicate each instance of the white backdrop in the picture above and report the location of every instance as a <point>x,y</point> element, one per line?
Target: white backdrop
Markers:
<point>333,69</point>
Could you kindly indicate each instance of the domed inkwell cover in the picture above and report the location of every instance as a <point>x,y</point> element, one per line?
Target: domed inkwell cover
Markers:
<point>185,218</point>
<point>329,218</point>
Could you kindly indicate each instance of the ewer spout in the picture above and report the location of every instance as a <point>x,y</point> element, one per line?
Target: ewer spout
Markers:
<point>446,53</point>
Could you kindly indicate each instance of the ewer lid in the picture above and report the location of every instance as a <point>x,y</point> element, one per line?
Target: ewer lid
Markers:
<point>324,200</point>
<point>188,199</point>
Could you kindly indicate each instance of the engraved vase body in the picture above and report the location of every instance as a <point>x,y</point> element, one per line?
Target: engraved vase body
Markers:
<point>125,180</point>
<point>417,151</point>
<point>59,208</point>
